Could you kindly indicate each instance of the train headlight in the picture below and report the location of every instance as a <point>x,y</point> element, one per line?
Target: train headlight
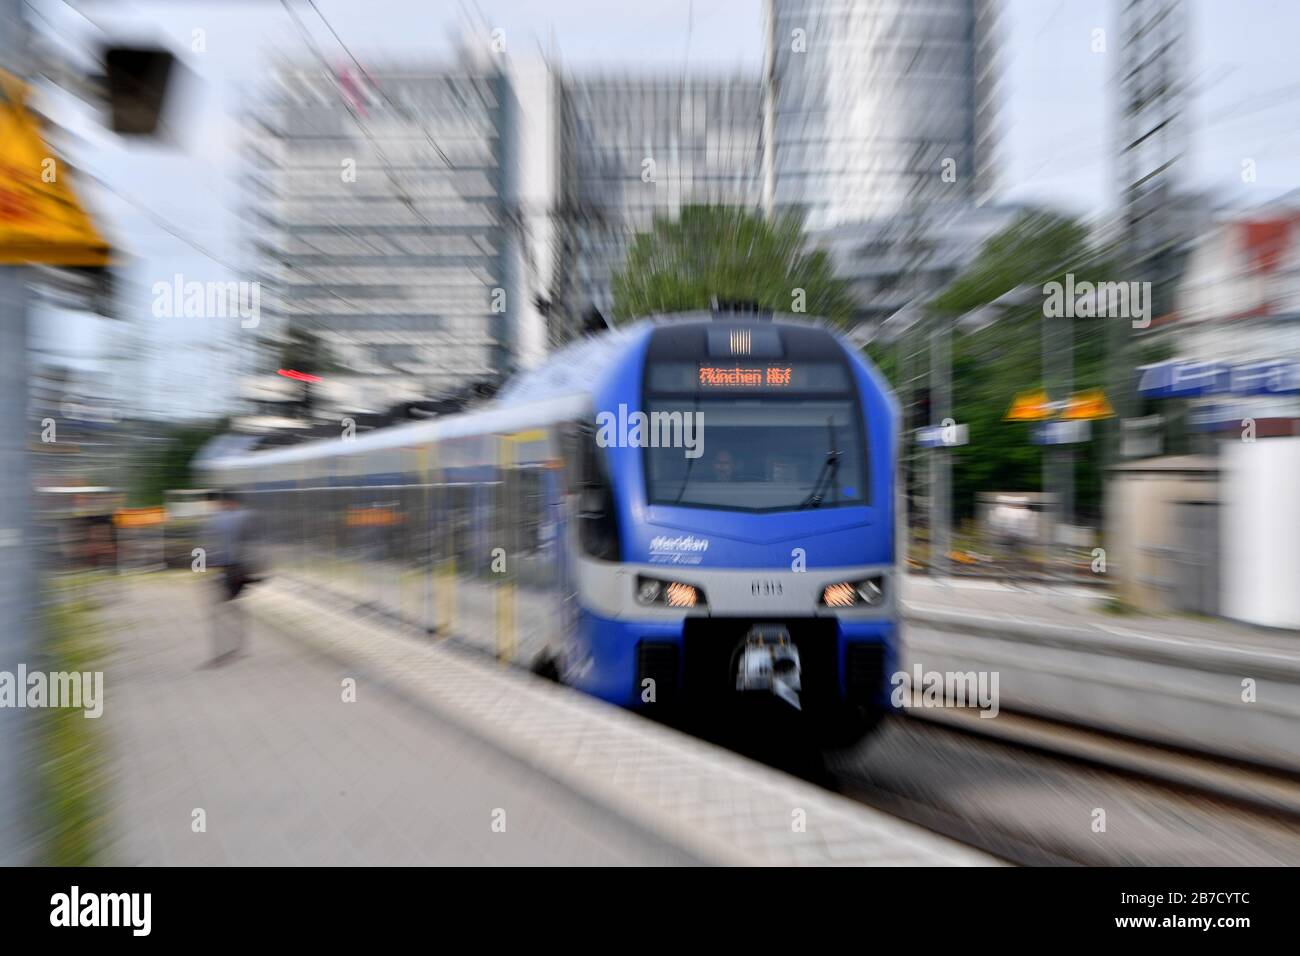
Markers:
<point>681,595</point>
<point>839,595</point>
<point>866,593</point>
<point>655,593</point>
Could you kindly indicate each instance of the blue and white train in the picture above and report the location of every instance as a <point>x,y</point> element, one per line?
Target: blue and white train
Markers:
<point>674,514</point>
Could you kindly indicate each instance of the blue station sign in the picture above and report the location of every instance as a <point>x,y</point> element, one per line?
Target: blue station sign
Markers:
<point>1182,379</point>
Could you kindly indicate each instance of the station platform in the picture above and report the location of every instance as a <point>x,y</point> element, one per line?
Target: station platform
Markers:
<point>1204,685</point>
<point>1084,608</point>
<point>444,757</point>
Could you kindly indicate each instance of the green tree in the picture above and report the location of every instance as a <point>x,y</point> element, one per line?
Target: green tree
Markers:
<point>992,365</point>
<point>731,255</point>
<point>168,465</point>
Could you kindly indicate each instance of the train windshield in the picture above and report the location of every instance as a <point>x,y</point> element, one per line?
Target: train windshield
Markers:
<point>759,449</point>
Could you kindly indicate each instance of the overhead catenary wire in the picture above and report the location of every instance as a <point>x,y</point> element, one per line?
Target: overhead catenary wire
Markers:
<point>383,94</point>
<point>385,163</point>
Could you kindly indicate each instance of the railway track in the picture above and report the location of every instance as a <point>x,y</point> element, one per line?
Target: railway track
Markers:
<point>1033,792</point>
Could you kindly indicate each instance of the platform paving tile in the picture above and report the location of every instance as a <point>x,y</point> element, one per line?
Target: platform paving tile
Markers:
<point>713,804</point>
<point>288,774</point>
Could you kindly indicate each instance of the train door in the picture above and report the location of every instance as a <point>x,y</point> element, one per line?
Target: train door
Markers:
<point>526,570</point>
<point>410,550</point>
<point>464,591</point>
<point>556,503</point>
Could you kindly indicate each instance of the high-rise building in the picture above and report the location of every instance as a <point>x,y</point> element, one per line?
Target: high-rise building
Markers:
<point>637,147</point>
<point>491,205</point>
<point>891,263</point>
<point>390,223</point>
<point>878,107</point>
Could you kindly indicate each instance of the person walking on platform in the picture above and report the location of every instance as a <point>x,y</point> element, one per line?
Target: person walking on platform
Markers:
<point>230,554</point>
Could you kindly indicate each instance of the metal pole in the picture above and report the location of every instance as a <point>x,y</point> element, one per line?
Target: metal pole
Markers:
<point>1049,451</point>
<point>18,604</point>
<point>17,577</point>
<point>1067,451</point>
<point>940,491</point>
<point>1058,460</point>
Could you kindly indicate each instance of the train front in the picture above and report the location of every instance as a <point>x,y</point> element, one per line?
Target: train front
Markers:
<point>740,526</point>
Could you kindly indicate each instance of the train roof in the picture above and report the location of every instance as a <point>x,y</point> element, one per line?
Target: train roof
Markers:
<point>569,371</point>
<point>558,389</point>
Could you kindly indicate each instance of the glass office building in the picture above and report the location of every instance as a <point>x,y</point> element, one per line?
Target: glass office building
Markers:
<point>875,108</point>
<point>636,147</point>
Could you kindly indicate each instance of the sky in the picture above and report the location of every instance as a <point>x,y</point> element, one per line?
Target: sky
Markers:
<point>1055,104</point>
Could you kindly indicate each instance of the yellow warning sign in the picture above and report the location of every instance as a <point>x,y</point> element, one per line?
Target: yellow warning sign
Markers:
<point>1088,405</point>
<point>41,220</point>
<point>1029,407</point>
<point>139,517</point>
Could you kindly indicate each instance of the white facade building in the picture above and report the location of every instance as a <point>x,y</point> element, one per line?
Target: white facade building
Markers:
<point>1238,308</point>
<point>397,216</point>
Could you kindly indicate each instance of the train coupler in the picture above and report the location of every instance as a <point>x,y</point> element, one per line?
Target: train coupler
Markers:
<point>767,660</point>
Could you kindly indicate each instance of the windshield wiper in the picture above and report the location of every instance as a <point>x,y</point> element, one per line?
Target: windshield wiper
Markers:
<point>828,477</point>
<point>690,462</point>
